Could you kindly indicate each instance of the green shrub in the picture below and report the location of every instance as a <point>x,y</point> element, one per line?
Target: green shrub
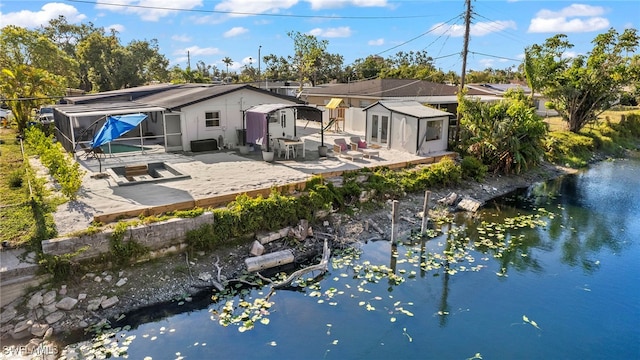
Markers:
<point>16,178</point>
<point>61,167</point>
<point>473,168</point>
<point>568,148</point>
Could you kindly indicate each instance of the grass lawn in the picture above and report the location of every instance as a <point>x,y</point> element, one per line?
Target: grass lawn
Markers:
<point>16,216</point>
<point>557,124</point>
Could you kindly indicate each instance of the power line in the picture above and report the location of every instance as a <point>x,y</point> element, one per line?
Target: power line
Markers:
<point>494,56</point>
<point>419,36</point>
<point>251,13</point>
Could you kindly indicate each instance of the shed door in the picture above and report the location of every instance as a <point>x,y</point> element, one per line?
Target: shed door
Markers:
<point>173,133</point>
<point>379,131</point>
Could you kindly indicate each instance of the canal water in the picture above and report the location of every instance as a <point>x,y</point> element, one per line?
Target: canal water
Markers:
<point>549,272</point>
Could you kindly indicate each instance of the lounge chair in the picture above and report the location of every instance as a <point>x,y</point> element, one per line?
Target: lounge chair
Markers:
<point>360,145</point>
<point>342,149</point>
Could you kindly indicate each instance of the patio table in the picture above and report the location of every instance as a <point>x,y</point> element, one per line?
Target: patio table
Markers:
<point>295,143</point>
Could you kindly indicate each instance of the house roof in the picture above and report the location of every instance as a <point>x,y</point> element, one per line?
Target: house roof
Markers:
<point>497,89</point>
<point>189,94</point>
<point>387,88</point>
<point>102,109</point>
<point>410,108</point>
<point>153,98</point>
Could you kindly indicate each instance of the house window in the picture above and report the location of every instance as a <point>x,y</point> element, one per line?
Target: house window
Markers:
<point>434,130</point>
<point>283,119</point>
<point>212,119</point>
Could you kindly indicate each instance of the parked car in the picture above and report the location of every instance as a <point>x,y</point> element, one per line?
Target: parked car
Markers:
<point>45,115</point>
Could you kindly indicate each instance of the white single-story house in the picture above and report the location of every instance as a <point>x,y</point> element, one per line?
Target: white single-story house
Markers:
<point>407,126</point>
<point>179,116</point>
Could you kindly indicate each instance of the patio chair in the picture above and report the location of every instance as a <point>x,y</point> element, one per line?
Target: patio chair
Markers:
<point>286,148</point>
<point>342,149</point>
<point>360,145</point>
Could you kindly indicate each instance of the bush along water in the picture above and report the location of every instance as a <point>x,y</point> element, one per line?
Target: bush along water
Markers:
<point>246,215</point>
<point>606,137</point>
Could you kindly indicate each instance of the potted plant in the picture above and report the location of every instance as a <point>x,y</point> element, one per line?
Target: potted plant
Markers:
<point>268,153</point>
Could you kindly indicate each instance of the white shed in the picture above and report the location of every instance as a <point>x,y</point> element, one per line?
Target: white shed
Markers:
<point>407,126</point>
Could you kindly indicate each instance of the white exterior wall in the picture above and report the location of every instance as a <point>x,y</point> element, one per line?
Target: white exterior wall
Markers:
<point>403,133</point>
<point>433,145</point>
<point>355,120</point>
<point>231,116</point>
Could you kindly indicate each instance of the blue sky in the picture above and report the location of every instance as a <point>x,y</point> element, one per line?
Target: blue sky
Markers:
<point>211,30</point>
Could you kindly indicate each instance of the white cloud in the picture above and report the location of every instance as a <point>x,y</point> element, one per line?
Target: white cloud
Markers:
<point>376,42</point>
<point>562,25</point>
<point>339,32</point>
<point>333,4</point>
<point>148,10</point>
<point>181,38</point>
<point>477,29</point>
<point>49,11</point>
<point>196,50</point>
<point>235,31</point>
<point>246,8</point>
<point>568,20</point>
<point>119,28</point>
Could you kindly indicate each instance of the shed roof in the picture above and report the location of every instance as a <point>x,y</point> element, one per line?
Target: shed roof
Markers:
<point>269,108</point>
<point>410,108</point>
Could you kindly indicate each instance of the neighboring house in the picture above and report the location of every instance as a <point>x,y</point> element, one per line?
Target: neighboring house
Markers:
<point>177,114</point>
<point>361,94</point>
<point>500,89</point>
<point>407,126</point>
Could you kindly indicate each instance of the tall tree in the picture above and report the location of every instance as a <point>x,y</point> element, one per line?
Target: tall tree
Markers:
<point>277,68</point>
<point>308,53</point>
<point>227,61</point>
<point>21,46</point>
<point>27,87</point>
<point>67,37</point>
<point>581,88</point>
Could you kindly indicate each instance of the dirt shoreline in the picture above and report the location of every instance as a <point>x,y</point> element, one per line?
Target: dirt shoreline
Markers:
<point>178,278</point>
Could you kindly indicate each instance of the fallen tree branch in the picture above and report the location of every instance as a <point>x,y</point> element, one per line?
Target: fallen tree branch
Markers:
<point>322,266</point>
<point>218,284</point>
<point>375,226</point>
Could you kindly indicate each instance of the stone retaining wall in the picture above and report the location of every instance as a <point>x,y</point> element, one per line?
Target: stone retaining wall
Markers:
<point>154,236</point>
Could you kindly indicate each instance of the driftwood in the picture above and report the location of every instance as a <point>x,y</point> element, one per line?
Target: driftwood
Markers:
<point>218,284</point>
<point>409,220</point>
<point>322,266</point>
<point>375,226</point>
<point>269,260</point>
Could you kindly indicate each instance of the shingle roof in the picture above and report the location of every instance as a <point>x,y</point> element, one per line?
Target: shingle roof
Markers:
<point>386,88</point>
<point>170,96</point>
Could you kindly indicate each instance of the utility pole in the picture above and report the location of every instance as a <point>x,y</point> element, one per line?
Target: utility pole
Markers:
<point>188,60</point>
<point>259,61</point>
<point>465,50</point>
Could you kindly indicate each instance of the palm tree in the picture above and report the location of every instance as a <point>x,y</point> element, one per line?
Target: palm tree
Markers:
<point>227,60</point>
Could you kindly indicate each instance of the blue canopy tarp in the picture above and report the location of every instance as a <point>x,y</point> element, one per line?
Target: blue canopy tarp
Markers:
<point>116,126</point>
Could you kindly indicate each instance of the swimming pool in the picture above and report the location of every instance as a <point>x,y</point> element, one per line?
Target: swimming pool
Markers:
<point>122,148</point>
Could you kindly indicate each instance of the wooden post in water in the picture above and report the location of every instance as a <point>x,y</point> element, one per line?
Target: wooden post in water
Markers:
<point>425,211</point>
<point>394,219</point>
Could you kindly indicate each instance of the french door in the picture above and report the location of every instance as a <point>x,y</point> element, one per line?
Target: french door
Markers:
<point>379,131</point>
